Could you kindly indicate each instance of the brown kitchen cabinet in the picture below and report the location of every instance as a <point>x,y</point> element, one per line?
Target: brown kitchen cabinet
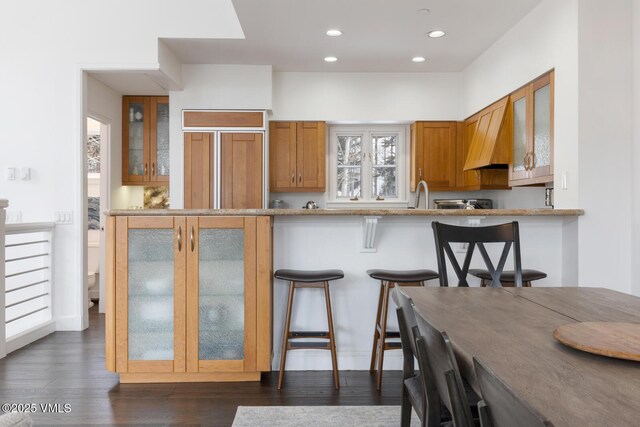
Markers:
<point>532,118</point>
<point>433,155</point>
<point>297,156</point>
<point>241,173</point>
<point>198,170</point>
<point>188,298</point>
<point>145,140</point>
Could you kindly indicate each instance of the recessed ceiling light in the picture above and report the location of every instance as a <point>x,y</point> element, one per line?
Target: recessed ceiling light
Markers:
<point>423,11</point>
<point>330,59</point>
<point>334,33</point>
<point>418,59</point>
<point>435,34</point>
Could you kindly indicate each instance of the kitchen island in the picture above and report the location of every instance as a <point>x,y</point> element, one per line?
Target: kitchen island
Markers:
<point>208,276</point>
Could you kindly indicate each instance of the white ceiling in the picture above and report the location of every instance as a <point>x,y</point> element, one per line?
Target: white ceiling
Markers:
<point>379,35</point>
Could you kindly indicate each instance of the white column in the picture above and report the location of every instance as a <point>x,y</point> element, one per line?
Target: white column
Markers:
<point>3,341</point>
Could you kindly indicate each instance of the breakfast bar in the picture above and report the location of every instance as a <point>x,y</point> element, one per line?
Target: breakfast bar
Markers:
<point>191,297</point>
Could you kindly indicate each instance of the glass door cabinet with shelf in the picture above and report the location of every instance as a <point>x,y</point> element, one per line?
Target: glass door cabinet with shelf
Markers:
<point>189,298</point>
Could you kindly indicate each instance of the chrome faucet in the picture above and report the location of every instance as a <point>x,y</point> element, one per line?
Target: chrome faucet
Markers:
<point>421,184</point>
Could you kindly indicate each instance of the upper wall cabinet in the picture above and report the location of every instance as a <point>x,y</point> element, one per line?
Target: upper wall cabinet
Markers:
<point>433,155</point>
<point>532,115</point>
<point>489,139</point>
<point>145,140</point>
<point>297,156</point>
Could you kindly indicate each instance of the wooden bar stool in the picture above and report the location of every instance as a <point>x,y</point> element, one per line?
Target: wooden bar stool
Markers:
<point>309,279</point>
<point>388,280</point>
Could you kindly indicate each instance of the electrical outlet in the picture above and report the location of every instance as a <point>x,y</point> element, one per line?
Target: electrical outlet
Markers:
<point>63,217</point>
<point>563,184</point>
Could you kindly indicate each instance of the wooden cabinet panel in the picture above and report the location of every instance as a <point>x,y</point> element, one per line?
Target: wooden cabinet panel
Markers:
<point>282,155</point>
<point>223,119</point>
<point>198,170</point>
<point>311,155</point>
<point>433,155</point>
<point>241,171</point>
<point>297,156</point>
<point>146,307</point>
<point>488,146</point>
<point>477,179</point>
<point>532,138</point>
<point>145,140</point>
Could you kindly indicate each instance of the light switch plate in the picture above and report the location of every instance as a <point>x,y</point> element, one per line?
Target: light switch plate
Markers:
<point>25,174</point>
<point>10,174</point>
<point>563,184</point>
<point>13,217</point>
<point>63,217</point>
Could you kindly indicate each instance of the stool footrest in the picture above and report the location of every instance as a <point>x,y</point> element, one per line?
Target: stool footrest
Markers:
<point>309,334</point>
<point>309,345</point>
<point>392,345</point>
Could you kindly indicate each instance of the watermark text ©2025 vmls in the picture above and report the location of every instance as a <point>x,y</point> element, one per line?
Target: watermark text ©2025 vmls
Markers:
<point>31,408</point>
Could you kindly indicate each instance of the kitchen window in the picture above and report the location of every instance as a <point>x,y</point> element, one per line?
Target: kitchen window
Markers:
<point>367,166</point>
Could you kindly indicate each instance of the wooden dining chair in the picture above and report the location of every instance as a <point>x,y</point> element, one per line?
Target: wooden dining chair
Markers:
<point>434,348</point>
<point>418,388</point>
<point>500,406</point>
<point>508,234</point>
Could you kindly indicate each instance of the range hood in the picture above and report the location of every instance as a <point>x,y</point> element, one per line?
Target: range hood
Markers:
<point>490,143</point>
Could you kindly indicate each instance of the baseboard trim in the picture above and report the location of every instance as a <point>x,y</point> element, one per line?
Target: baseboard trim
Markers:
<point>320,360</point>
<point>69,323</point>
<point>30,335</point>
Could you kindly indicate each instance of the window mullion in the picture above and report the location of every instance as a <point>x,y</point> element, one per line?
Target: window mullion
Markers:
<point>367,169</point>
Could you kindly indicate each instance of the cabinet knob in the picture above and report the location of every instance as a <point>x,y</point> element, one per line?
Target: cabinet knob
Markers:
<point>192,242</point>
<point>153,169</point>
<point>179,238</point>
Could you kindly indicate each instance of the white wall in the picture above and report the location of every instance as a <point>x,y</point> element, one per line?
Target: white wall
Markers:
<point>544,39</point>
<point>227,87</point>
<point>42,55</point>
<point>635,286</point>
<point>604,110</point>
<point>367,96</point>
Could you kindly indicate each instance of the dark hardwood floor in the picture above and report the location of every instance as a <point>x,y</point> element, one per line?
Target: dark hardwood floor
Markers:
<point>68,368</point>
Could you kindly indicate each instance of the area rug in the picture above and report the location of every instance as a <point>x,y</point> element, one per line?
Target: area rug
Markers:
<point>317,416</point>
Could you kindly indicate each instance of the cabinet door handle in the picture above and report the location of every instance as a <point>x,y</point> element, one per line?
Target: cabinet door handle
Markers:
<point>299,177</point>
<point>293,177</point>
<point>153,169</point>
<point>532,161</point>
<point>526,162</point>
<point>145,168</point>
<point>419,174</point>
<point>191,238</point>
<point>179,238</point>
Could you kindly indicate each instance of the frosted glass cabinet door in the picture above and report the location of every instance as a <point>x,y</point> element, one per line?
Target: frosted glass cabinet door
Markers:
<point>150,294</point>
<point>542,126</point>
<point>221,294</point>
<point>150,280</point>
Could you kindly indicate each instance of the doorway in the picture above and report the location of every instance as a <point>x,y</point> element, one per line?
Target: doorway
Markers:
<point>97,203</point>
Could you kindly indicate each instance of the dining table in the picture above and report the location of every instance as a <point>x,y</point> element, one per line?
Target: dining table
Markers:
<point>512,331</point>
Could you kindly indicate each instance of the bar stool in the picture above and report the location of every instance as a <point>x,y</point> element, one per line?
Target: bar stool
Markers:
<point>508,278</point>
<point>388,280</point>
<point>309,279</point>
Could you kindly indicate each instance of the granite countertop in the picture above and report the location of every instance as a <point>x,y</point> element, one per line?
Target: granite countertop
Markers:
<point>343,212</point>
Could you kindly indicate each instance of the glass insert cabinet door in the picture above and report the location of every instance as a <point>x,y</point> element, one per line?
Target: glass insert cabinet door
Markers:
<point>135,123</point>
<point>221,294</point>
<point>150,289</point>
<point>159,140</point>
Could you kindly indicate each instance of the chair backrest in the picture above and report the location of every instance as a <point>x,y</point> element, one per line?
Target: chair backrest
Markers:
<point>500,406</point>
<point>508,234</point>
<point>408,331</point>
<point>435,347</point>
